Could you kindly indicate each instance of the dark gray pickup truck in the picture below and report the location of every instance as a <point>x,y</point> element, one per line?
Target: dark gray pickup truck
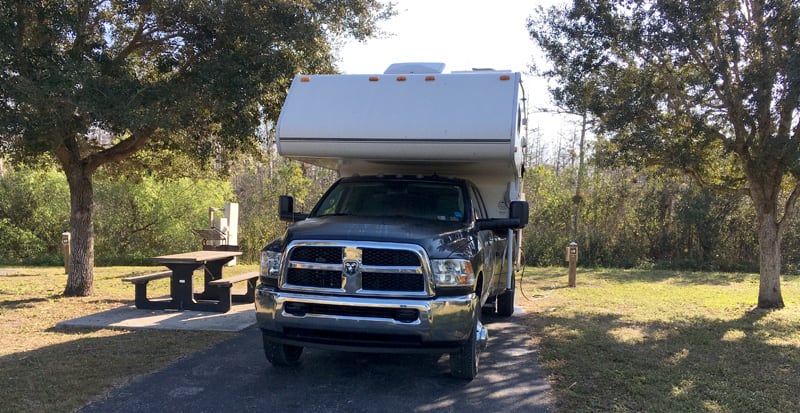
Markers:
<point>388,264</point>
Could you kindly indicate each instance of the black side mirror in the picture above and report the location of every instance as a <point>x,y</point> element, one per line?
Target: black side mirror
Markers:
<point>286,209</point>
<point>519,210</point>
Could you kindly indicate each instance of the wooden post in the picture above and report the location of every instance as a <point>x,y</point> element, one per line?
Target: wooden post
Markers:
<point>66,238</point>
<point>572,257</point>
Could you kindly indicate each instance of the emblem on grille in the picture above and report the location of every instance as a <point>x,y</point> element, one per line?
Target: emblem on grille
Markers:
<point>351,267</point>
<point>351,260</point>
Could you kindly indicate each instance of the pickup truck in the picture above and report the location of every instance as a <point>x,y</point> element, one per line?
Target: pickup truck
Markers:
<point>421,233</point>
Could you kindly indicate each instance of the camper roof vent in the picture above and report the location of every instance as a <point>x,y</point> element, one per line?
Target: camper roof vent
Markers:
<point>418,67</point>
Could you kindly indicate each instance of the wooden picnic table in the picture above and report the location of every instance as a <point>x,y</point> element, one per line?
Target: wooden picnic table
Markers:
<point>216,295</point>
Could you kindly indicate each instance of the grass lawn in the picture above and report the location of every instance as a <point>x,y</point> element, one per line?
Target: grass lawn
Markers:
<point>664,341</point>
<point>47,370</point>
<point>622,341</point>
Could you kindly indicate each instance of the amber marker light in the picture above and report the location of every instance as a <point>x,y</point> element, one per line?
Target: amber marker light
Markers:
<point>305,79</point>
<point>505,77</point>
<point>430,78</point>
<point>401,78</point>
<point>373,78</point>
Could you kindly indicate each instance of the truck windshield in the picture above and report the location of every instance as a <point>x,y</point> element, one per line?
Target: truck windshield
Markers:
<point>395,198</point>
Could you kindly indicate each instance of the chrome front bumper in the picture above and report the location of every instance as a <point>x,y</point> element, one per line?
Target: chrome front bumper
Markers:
<point>443,322</point>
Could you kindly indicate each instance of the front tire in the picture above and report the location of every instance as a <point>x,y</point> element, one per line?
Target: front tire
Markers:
<point>282,355</point>
<point>464,362</point>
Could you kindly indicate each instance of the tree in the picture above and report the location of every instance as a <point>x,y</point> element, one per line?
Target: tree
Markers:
<point>90,82</point>
<point>710,88</point>
<point>574,70</point>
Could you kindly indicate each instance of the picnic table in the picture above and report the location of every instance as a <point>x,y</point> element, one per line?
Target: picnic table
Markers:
<point>216,295</point>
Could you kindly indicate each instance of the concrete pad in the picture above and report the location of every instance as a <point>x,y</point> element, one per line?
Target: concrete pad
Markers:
<point>238,318</point>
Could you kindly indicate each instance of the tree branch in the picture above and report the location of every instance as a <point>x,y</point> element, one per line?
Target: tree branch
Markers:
<point>789,207</point>
<point>121,150</point>
<point>135,43</point>
<point>698,177</point>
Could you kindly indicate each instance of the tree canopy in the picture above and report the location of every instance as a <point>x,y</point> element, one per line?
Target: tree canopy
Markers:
<point>709,88</point>
<point>90,82</point>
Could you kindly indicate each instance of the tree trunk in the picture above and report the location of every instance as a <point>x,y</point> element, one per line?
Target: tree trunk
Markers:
<point>578,198</point>
<point>769,242</point>
<point>80,281</point>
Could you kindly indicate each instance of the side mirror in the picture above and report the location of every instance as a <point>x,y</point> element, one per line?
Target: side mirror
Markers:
<point>519,210</point>
<point>286,209</point>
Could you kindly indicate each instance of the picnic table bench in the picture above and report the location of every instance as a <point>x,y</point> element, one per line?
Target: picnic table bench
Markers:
<point>217,295</point>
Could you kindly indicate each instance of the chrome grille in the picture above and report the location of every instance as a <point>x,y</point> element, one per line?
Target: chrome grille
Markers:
<point>376,281</point>
<point>373,256</point>
<point>314,278</point>
<point>328,255</point>
<point>382,271</point>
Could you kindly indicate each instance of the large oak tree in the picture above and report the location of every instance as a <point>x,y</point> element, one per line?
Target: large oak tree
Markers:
<point>711,88</point>
<point>90,82</point>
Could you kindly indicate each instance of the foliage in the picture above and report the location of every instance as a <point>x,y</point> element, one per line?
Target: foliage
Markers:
<point>640,219</point>
<point>199,75</point>
<point>547,233</point>
<point>705,88</point>
<point>149,217</point>
<point>137,217</point>
<point>91,83</point>
<point>34,211</point>
<point>257,187</point>
<point>17,244</point>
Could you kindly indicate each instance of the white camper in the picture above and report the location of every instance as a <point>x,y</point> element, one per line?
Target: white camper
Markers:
<point>465,124</point>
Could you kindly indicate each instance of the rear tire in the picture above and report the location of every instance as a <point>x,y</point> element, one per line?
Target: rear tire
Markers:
<point>464,362</point>
<point>282,355</point>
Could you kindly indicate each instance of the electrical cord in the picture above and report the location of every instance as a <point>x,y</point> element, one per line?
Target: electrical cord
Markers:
<point>521,274</point>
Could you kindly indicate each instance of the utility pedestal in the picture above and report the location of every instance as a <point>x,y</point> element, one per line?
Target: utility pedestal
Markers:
<point>572,257</point>
<point>66,239</point>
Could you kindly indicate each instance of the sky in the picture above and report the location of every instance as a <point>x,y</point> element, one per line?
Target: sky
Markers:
<point>463,34</point>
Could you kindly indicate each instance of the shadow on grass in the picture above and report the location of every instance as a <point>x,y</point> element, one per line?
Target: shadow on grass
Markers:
<point>678,277</point>
<point>64,376</point>
<point>559,275</point>
<point>605,363</point>
<point>16,274</point>
<point>31,302</point>
<point>24,303</point>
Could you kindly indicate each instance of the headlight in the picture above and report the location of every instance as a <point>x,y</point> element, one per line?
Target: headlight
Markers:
<point>452,273</point>
<point>270,264</point>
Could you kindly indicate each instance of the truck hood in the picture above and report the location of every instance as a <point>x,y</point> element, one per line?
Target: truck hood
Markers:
<point>439,239</point>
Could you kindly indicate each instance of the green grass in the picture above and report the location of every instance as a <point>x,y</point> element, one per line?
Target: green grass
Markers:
<point>43,369</point>
<point>622,341</point>
<point>664,341</point>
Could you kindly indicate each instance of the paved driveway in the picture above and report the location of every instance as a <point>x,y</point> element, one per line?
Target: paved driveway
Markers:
<point>234,376</point>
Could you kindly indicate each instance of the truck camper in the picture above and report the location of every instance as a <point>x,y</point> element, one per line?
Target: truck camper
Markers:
<point>421,233</point>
